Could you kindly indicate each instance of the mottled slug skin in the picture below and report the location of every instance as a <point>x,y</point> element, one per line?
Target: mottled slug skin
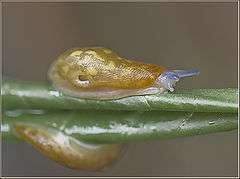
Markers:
<point>103,68</point>
<point>98,73</point>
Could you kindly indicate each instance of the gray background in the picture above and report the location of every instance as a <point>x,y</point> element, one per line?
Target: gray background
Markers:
<point>199,36</point>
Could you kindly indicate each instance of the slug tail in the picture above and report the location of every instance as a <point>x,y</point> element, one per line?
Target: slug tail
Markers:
<point>183,73</point>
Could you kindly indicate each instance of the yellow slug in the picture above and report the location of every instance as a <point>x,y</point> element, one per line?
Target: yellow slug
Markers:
<point>69,151</point>
<point>98,73</point>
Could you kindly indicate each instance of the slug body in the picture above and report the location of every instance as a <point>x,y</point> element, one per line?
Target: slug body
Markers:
<point>69,151</point>
<point>98,73</point>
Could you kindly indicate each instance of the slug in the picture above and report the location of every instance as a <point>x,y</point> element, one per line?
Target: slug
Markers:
<point>98,73</point>
<point>69,151</point>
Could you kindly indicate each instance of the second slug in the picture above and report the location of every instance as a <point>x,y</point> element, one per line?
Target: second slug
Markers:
<point>98,73</point>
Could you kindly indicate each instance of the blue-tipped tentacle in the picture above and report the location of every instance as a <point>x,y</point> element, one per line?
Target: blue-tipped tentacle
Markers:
<point>172,76</point>
<point>169,78</point>
<point>183,73</point>
<point>170,87</point>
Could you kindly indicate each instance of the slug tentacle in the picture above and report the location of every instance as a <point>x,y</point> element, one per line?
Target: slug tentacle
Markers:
<point>98,73</point>
<point>168,79</point>
<point>183,73</point>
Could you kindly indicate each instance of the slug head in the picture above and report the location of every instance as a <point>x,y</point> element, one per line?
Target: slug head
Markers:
<point>167,80</point>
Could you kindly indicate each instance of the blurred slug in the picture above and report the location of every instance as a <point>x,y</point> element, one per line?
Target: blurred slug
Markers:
<point>98,73</point>
<point>69,151</point>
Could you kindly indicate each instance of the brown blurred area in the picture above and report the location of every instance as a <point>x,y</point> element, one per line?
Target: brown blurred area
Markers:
<point>200,36</point>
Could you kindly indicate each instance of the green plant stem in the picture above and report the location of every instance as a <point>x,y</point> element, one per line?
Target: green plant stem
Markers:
<point>130,119</point>
<point>94,126</point>
<point>19,94</point>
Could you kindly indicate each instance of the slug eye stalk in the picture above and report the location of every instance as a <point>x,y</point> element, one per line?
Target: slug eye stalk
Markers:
<point>167,80</point>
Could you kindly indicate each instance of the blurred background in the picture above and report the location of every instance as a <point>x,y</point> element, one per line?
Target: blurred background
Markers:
<point>200,36</point>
